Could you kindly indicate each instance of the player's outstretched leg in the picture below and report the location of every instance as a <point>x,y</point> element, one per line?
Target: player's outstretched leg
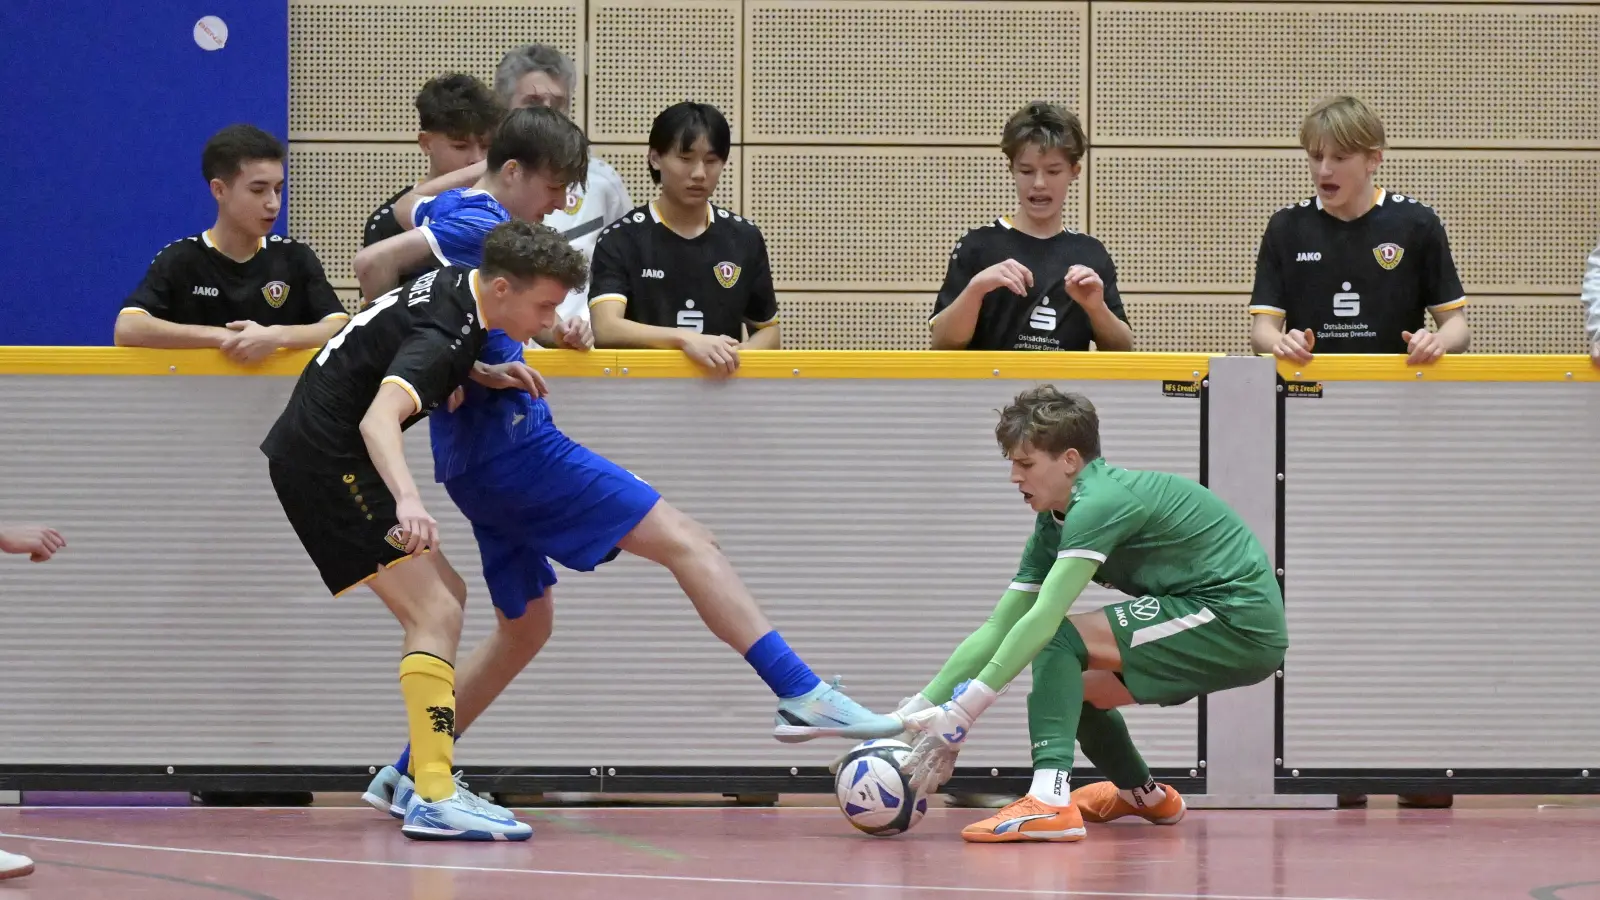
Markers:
<point>426,596</point>
<point>807,706</point>
<point>1128,789</point>
<point>486,672</point>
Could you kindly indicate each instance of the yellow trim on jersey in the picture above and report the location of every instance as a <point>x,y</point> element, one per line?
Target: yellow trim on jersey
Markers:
<point>477,301</point>
<point>608,298</point>
<point>332,316</point>
<point>1268,311</point>
<point>406,385</point>
<point>1453,304</point>
<point>133,310</point>
<point>655,214</point>
<point>205,236</point>
<point>760,325</point>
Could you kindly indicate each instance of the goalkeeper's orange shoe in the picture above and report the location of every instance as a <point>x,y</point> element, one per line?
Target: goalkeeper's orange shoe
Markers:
<point>1102,802</point>
<point>1028,819</point>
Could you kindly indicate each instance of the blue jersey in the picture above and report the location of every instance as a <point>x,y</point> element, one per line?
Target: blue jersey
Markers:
<point>489,423</point>
<point>456,223</point>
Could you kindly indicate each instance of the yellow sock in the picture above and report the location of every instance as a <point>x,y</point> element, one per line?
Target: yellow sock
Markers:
<point>428,684</point>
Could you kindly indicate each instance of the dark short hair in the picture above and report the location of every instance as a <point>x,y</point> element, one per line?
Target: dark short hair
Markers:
<point>457,106</point>
<point>1047,419</point>
<point>680,125</point>
<point>528,250</point>
<point>229,149</point>
<point>539,138</point>
<point>1048,126</point>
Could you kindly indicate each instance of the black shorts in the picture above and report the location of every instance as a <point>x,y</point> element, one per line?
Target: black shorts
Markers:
<point>345,520</point>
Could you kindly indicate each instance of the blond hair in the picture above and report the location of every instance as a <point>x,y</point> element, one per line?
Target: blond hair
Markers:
<point>1048,126</point>
<point>1343,122</point>
<point>1044,418</point>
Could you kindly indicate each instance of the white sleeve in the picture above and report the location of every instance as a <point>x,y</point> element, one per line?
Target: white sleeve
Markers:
<point>1591,295</point>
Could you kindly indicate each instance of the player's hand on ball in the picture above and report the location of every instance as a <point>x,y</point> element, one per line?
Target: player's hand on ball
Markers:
<point>574,334</point>
<point>930,764</point>
<point>1422,346</point>
<point>512,375</point>
<point>914,704</point>
<point>38,541</point>
<point>1086,288</point>
<point>1295,345</point>
<point>716,352</point>
<point>1010,274</point>
<point>950,722</point>
<point>421,531</point>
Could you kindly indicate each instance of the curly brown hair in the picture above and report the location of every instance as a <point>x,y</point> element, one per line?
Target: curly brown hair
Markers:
<point>1048,126</point>
<point>528,250</point>
<point>1044,418</point>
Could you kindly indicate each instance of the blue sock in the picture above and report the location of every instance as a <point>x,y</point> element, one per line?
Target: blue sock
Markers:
<point>405,762</point>
<point>783,671</point>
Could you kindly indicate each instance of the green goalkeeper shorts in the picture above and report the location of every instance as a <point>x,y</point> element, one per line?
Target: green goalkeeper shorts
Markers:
<point>1176,648</point>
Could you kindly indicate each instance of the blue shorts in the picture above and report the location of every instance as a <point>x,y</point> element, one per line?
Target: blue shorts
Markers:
<point>548,499</point>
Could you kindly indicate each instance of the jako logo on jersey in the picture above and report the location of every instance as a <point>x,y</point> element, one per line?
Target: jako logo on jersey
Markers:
<point>1312,256</point>
<point>1388,254</point>
<point>1347,303</point>
<point>276,292</point>
<point>1044,316</point>
<point>396,537</point>
<point>727,274</point>
<point>206,292</point>
<point>652,273</point>
<point>691,318</point>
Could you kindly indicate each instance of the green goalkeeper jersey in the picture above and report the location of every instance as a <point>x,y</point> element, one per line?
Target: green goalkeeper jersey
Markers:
<point>1163,535</point>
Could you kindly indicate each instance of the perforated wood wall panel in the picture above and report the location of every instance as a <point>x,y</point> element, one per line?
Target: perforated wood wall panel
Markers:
<point>650,54</point>
<point>333,190</point>
<point>1527,325</point>
<point>350,298</point>
<point>847,218</point>
<point>1440,76</point>
<point>1191,220</point>
<point>1188,323</point>
<point>860,321</point>
<point>355,66</point>
<point>629,161</point>
<point>835,71</point>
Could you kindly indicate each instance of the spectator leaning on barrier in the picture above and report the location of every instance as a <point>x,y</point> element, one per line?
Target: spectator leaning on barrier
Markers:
<point>1591,303</point>
<point>680,272</point>
<point>457,114</point>
<point>1025,282</point>
<point>235,286</point>
<point>1353,268</point>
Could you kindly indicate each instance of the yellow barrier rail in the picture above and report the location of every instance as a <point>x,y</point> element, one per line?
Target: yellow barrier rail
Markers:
<point>846,364</point>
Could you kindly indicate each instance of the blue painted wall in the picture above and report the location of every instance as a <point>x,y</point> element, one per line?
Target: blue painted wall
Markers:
<point>104,108</point>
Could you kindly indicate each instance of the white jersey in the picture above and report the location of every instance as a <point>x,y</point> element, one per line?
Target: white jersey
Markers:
<point>589,209</point>
<point>1591,295</point>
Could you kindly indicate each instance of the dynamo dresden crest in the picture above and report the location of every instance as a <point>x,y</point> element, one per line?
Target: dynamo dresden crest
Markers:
<point>1388,254</point>
<point>727,274</point>
<point>574,201</point>
<point>276,292</point>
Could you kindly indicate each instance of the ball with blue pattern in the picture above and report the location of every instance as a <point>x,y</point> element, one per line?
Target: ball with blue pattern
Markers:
<point>873,791</point>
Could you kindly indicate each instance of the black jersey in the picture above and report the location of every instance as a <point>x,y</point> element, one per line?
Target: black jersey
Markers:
<point>713,283</point>
<point>383,223</point>
<point>1357,285</point>
<point>191,282</point>
<point>423,336</point>
<point>1046,319</point>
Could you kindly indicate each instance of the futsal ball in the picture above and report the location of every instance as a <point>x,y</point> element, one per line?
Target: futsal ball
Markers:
<point>873,792</point>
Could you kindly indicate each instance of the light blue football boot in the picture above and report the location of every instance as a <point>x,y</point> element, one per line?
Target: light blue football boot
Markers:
<point>461,817</point>
<point>383,793</point>
<point>826,711</point>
